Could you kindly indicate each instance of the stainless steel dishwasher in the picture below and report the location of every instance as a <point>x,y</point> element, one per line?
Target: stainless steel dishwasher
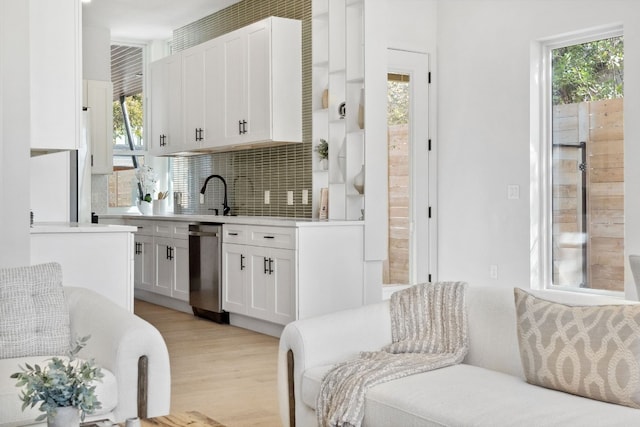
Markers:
<point>205,277</point>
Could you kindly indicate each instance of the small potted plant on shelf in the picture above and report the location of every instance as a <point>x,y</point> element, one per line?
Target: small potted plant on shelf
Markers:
<point>323,152</point>
<point>64,388</point>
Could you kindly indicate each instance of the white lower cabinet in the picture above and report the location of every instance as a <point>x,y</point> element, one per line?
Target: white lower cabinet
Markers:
<point>161,259</point>
<point>259,280</point>
<point>144,262</point>
<point>234,273</point>
<point>271,284</point>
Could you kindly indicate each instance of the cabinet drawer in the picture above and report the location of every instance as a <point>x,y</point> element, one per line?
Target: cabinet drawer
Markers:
<point>232,233</point>
<point>144,227</point>
<point>176,230</point>
<point>273,237</point>
<point>180,230</point>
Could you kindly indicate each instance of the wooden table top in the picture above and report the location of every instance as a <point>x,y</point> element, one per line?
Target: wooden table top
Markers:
<point>182,419</point>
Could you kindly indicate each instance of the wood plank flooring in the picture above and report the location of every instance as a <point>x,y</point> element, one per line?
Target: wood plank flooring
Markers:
<point>221,371</point>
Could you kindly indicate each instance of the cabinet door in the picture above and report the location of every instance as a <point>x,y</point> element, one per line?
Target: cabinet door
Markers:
<point>234,268</point>
<point>235,95</point>
<point>180,289</point>
<point>56,74</point>
<point>259,304</point>
<point>159,98</point>
<point>258,75</point>
<point>164,266</point>
<point>194,96</point>
<point>144,263</point>
<point>214,95</point>
<point>175,136</point>
<point>99,100</point>
<point>166,105</point>
<point>282,274</point>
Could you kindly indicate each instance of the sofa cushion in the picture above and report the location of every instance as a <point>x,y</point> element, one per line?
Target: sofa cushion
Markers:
<point>591,351</point>
<point>11,406</point>
<point>34,319</point>
<point>469,395</point>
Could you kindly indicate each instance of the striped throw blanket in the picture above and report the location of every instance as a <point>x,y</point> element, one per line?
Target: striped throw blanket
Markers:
<point>428,330</point>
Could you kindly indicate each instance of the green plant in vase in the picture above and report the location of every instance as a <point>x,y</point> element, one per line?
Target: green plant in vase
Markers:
<point>62,383</point>
<point>323,152</point>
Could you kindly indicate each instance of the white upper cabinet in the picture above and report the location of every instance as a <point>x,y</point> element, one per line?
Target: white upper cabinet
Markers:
<point>263,76</point>
<point>56,82</point>
<point>203,91</point>
<point>166,106</point>
<point>243,88</point>
<point>98,98</point>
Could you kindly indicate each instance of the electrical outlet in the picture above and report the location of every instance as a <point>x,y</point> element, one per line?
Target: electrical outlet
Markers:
<point>493,271</point>
<point>289,198</point>
<point>305,197</point>
<point>267,197</point>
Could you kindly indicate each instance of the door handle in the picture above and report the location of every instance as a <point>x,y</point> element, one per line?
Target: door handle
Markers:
<point>242,266</point>
<point>265,265</point>
<point>270,266</point>
<point>244,126</point>
<point>239,127</point>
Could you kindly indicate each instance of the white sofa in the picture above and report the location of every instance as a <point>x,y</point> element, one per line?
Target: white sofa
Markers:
<point>488,389</point>
<point>119,340</point>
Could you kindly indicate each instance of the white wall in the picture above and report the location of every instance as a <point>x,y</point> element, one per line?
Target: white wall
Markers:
<point>14,133</point>
<point>483,127</point>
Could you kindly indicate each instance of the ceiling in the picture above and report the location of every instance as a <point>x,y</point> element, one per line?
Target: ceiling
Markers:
<point>145,20</point>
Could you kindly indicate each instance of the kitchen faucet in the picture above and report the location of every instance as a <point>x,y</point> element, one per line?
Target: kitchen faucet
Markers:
<point>225,207</point>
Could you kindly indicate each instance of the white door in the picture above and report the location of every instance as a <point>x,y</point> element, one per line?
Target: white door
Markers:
<point>411,179</point>
<point>258,303</point>
<point>259,83</point>
<point>193,73</point>
<point>282,276</point>
<point>164,266</point>
<point>159,98</point>
<point>180,256</point>
<point>144,262</point>
<point>234,267</point>
<point>175,137</point>
<point>234,100</point>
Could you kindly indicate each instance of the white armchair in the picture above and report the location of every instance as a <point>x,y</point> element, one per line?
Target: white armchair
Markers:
<point>131,349</point>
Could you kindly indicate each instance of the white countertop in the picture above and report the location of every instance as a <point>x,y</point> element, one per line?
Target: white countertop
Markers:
<point>74,227</point>
<point>248,220</point>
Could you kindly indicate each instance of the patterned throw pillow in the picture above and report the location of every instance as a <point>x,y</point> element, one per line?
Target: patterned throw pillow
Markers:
<point>590,351</point>
<point>34,319</point>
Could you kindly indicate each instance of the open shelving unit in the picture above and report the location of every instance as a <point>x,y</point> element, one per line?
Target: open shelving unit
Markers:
<point>338,69</point>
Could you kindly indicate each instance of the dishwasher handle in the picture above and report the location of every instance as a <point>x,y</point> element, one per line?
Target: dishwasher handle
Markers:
<point>204,233</point>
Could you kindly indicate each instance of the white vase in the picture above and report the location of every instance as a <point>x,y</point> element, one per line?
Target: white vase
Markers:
<point>358,181</point>
<point>67,416</point>
<point>145,208</point>
<point>160,206</point>
<point>324,164</point>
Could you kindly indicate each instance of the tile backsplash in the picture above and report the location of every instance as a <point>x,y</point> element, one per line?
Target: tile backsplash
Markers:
<point>248,173</point>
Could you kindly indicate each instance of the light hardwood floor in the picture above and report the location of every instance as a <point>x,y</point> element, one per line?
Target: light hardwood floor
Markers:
<point>222,371</point>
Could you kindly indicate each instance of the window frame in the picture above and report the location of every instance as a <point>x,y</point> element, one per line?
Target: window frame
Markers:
<point>541,155</point>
